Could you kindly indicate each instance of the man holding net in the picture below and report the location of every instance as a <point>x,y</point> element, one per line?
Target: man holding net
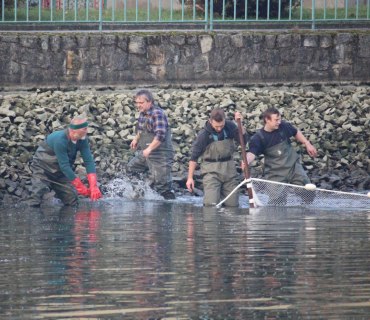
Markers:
<point>215,144</point>
<point>53,162</point>
<point>282,163</point>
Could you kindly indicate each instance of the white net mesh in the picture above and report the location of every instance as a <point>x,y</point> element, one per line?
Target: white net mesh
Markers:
<point>271,193</point>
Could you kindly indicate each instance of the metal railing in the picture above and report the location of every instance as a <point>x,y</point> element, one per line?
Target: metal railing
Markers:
<point>207,14</point>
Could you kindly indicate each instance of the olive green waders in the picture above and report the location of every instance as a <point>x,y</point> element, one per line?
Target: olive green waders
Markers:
<point>219,173</point>
<point>282,165</point>
<point>159,163</point>
<point>46,175</point>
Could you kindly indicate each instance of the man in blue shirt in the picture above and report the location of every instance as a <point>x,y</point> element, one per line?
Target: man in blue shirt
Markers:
<point>153,144</point>
<point>52,165</point>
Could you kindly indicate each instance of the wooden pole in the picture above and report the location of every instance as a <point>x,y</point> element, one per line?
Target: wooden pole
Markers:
<point>246,167</point>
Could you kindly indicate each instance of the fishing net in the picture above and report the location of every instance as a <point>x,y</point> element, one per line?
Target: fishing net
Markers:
<point>278,194</point>
<point>271,193</point>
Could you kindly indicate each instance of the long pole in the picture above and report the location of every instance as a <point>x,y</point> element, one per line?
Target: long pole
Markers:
<point>246,167</point>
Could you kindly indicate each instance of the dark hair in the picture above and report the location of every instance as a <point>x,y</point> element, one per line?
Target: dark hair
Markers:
<point>217,115</point>
<point>146,93</point>
<point>268,113</point>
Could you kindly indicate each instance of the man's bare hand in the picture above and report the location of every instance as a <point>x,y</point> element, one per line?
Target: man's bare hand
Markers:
<point>238,116</point>
<point>190,184</point>
<point>133,144</point>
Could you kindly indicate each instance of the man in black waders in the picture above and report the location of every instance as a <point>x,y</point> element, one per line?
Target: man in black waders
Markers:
<point>282,163</point>
<point>153,144</point>
<point>52,166</point>
<point>215,145</point>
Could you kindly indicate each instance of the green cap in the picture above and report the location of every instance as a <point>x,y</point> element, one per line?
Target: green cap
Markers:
<point>79,126</point>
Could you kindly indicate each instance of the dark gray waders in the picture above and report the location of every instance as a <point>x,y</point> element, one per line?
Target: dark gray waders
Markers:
<point>159,163</point>
<point>282,165</point>
<point>46,175</point>
<point>219,173</point>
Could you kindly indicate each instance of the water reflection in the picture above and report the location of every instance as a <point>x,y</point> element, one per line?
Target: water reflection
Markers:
<point>172,260</point>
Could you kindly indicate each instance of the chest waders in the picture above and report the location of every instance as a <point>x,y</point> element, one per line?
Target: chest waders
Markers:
<point>159,163</point>
<point>219,173</point>
<point>282,165</point>
<point>45,165</point>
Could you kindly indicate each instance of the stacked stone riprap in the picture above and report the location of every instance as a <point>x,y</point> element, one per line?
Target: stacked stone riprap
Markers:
<point>335,119</point>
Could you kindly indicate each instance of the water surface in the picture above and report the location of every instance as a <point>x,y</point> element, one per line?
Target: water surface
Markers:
<point>152,259</point>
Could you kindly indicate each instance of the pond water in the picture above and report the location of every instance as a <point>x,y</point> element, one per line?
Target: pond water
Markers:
<point>153,259</point>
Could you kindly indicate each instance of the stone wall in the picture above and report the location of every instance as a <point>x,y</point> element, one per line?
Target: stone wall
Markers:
<point>182,59</point>
<point>335,119</point>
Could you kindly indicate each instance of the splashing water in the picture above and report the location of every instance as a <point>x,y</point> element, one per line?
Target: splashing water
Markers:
<point>131,188</point>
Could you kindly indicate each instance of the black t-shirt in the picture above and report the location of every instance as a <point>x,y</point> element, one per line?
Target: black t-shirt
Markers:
<point>207,135</point>
<point>258,145</point>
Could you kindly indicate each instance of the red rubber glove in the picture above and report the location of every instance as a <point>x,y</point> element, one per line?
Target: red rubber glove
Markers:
<point>95,193</point>
<point>80,187</point>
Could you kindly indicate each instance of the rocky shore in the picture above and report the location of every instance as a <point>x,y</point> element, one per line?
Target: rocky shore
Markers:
<point>336,119</point>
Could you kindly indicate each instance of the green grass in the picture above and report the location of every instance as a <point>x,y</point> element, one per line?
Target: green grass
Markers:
<point>320,14</point>
<point>339,13</point>
<point>92,15</point>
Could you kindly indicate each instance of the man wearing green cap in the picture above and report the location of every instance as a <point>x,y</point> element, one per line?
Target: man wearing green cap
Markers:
<point>52,165</point>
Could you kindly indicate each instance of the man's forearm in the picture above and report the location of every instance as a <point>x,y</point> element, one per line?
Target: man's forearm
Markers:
<point>154,144</point>
<point>137,137</point>
<point>250,157</point>
<point>301,138</point>
<point>311,150</point>
<point>192,166</point>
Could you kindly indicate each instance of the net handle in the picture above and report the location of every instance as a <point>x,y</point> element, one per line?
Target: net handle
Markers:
<point>246,167</point>
<point>230,194</point>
